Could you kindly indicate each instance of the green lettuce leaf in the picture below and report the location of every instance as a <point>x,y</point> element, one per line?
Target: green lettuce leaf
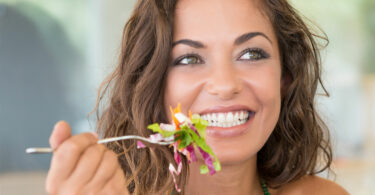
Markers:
<point>217,165</point>
<point>156,128</point>
<point>184,137</point>
<point>204,169</point>
<point>199,124</point>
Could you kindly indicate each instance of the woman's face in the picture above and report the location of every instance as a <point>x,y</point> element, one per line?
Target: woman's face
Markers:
<point>225,66</point>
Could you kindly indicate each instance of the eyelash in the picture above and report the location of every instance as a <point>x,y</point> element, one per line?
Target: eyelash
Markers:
<point>191,54</point>
<point>263,55</point>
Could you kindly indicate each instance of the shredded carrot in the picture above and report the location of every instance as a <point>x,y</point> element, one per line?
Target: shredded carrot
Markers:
<point>178,109</point>
<point>188,156</point>
<point>175,121</point>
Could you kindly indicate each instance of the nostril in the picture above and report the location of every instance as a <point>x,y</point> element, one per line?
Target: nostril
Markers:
<point>224,88</point>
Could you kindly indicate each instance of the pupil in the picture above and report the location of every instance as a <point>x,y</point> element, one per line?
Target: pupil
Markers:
<point>254,54</point>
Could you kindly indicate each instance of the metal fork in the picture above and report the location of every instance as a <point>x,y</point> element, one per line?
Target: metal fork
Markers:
<point>111,139</point>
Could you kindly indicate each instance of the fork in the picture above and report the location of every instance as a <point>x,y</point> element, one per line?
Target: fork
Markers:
<point>107,140</point>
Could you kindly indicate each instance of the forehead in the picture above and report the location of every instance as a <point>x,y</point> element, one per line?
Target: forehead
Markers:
<point>210,20</point>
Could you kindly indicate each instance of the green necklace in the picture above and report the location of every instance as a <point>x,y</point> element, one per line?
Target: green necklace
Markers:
<point>264,187</point>
<point>262,183</point>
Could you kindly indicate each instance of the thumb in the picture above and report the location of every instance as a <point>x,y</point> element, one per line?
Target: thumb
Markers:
<point>60,133</point>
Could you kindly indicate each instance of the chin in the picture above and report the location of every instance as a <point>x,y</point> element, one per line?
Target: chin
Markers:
<point>231,156</point>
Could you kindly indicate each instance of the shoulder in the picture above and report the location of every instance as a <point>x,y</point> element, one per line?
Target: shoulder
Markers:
<point>311,185</point>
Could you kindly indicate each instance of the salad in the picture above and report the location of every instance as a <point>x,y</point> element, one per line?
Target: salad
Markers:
<point>188,134</point>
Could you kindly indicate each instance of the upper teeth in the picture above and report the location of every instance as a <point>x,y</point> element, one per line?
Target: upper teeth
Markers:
<point>227,119</point>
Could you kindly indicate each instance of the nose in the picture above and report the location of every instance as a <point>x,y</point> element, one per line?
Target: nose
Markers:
<point>224,81</point>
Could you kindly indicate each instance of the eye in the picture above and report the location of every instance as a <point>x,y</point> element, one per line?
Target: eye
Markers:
<point>188,59</point>
<point>253,54</point>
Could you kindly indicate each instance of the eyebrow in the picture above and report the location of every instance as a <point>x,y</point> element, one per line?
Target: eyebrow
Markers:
<point>239,40</point>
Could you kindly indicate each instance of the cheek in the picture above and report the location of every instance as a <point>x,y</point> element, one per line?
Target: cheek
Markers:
<point>181,88</point>
<point>267,92</point>
<point>263,89</point>
<point>270,113</point>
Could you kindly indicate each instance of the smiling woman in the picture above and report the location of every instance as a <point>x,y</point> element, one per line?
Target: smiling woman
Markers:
<point>250,68</point>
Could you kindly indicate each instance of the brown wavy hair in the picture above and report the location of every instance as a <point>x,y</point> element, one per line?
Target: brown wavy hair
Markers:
<point>133,97</point>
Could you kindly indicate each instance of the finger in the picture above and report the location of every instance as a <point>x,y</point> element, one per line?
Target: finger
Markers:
<point>116,185</point>
<point>66,157</point>
<point>106,170</point>
<point>87,165</point>
<point>60,133</point>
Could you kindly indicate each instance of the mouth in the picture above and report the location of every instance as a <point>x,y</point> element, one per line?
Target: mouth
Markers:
<point>228,119</point>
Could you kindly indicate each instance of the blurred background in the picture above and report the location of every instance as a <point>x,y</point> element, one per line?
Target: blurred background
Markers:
<point>54,54</point>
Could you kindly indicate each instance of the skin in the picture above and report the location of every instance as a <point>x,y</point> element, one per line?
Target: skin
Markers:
<point>81,166</point>
<point>219,74</point>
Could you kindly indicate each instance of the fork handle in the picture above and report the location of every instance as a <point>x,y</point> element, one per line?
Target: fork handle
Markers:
<point>106,140</point>
<point>38,150</point>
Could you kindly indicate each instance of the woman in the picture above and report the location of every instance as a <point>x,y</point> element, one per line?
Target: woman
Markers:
<point>249,67</point>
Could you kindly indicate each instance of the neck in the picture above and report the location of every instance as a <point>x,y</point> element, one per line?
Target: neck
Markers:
<point>239,178</point>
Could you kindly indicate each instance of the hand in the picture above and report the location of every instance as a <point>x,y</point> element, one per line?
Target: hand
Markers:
<point>81,166</point>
